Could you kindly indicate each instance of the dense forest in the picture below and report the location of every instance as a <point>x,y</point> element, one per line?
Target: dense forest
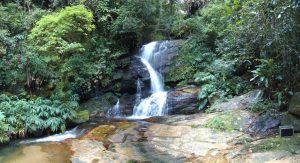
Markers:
<point>55,54</point>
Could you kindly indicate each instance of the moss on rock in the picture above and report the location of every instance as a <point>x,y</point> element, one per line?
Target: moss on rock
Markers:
<point>101,132</point>
<point>290,144</point>
<point>82,116</point>
<point>292,120</point>
<point>228,121</point>
<point>224,122</point>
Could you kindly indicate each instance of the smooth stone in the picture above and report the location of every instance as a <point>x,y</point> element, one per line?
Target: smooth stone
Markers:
<point>183,100</point>
<point>239,102</point>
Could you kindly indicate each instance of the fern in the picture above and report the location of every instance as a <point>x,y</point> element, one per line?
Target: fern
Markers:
<point>28,116</point>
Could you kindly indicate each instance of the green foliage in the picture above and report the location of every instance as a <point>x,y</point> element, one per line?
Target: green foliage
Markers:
<point>60,39</point>
<point>132,161</point>
<point>58,52</point>
<point>135,22</point>
<point>206,90</point>
<point>243,38</point>
<point>266,73</point>
<point>105,13</point>
<point>277,143</point>
<point>82,116</point>
<point>213,72</point>
<point>104,54</point>
<point>4,128</point>
<point>14,27</point>
<point>264,106</point>
<point>223,122</point>
<point>193,57</point>
<point>266,32</point>
<point>62,33</point>
<point>21,117</point>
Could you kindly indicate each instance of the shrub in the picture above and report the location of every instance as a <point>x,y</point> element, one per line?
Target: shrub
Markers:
<point>63,32</point>
<point>20,116</point>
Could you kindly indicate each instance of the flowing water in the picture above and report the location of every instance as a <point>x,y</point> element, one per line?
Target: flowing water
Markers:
<point>52,152</point>
<point>114,111</point>
<point>155,104</point>
<point>138,96</point>
<point>53,149</point>
<point>74,133</point>
<point>49,149</point>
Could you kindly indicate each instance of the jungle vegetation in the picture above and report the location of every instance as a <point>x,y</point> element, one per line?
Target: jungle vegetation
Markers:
<point>55,53</point>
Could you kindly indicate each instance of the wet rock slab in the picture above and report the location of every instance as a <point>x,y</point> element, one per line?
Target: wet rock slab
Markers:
<point>187,138</point>
<point>239,102</point>
<point>183,100</point>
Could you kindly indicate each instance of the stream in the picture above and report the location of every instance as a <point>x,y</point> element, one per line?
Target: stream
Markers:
<point>43,150</point>
<point>55,148</point>
<point>148,134</point>
<point>58,148</point>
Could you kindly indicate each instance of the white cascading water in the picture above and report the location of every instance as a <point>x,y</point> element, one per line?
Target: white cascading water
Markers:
<point>138,96</point>
<point>154,105</point>
<point>74,133</point>
<point>114,111</point>
<point>156,82</point>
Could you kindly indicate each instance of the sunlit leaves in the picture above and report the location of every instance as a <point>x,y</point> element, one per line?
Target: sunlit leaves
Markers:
<point>62,32</point>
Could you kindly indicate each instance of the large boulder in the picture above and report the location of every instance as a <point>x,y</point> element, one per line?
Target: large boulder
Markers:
<point>127,102</point>
<point>239,102</point>
<point>294,107</point>
<point>264,125</point>
<point>183,100</point>
<point>97,106</point>
<point>291,120</point>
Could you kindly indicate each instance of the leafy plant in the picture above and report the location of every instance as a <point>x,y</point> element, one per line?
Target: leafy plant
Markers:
<point>263,106</point>
<point>21,117</point>
<point>62,33</point>
<point>135,23</point>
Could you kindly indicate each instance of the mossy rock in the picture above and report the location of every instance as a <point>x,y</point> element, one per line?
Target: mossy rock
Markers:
<point>229,121</point>
<point>93,105</point>
<point>294,107</point>
<point>101,132</point>
<point>109,97</point>
<point>82,116</point>
<point>223,122</point>
<point>290,144</point>
<point>98,106</point>
<point>291,120</point>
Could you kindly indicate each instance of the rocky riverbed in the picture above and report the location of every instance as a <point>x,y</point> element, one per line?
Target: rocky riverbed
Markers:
<point>231,134</point>
<point>186,138</point>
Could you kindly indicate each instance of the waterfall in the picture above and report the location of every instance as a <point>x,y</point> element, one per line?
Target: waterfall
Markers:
<point>156,82</point>
<point>114,111</point>
<point>155,104</point>
<point>138,96</point>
